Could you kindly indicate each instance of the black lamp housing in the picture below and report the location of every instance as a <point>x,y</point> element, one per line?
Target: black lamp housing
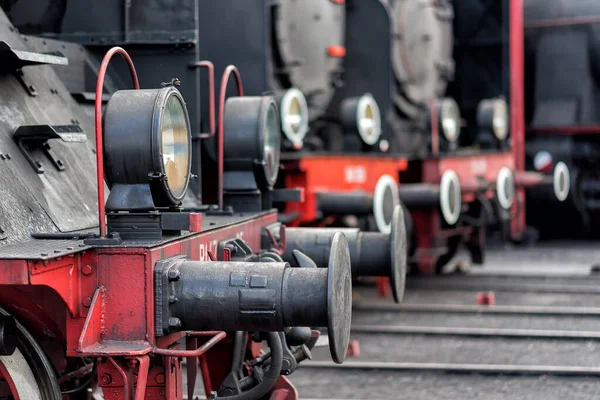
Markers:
<point>355,110</point>
<point>493,123</point>
<point>133,149</point>
<point>252,136</point>
<point>446,110</point>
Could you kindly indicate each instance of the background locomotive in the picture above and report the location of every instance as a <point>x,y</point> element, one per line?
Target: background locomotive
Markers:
<point>562,87</point>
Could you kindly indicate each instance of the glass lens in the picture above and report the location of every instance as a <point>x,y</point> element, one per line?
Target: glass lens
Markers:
<point>452,199</point>
<point>368,122</point>
<point>293,117</point>
<point>500,119</point>
<point>450,120</point>
<point>175,145</point>
<point>272,145</point>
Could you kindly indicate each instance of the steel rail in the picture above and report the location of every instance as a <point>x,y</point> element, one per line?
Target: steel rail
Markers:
<point>476,309</point>
<point>478,332</point>
<point>554,288</point>
<point>482,369</point>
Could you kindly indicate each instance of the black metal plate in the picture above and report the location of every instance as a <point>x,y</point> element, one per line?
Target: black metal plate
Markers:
<point>339,298</point>
<point>35,249</point>
<point>56,200</point>
<point>399,254</point>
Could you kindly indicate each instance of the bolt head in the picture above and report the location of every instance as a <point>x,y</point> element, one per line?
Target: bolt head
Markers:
<point>159,378</point>
<point>87,270</point>
<point>105,379</point>
<point>174,323</point>
<point>174,275</point>
<point>87,301</point>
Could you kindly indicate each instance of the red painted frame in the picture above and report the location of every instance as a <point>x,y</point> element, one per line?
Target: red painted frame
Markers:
<point>106,299</point>
<point>334,173</point>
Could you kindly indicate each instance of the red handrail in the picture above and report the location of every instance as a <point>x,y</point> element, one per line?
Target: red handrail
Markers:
<point>220,139</point>
<point>217,336</point>
<point>211,97</point>
<point>98,116</point>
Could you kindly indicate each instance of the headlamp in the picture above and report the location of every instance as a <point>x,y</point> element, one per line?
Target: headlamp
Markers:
<point>505,188</point>
<point>450,197</point>
<point>492,114</point>
<point>361,114</point>
<point>449,119</point>
<point>252,142</point>
<point>561,181</point>
<point>147,142</point>
<point>294,116</point>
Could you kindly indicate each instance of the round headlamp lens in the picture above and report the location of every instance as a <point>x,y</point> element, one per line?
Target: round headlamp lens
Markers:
<point>175,146</point>
<point>368,119</point>
<point>450,119</point>
<point>294,116</point>
<point>500,119</point>
<point>272,143</point>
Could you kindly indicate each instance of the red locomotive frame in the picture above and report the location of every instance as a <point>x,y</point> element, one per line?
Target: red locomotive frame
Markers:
<point>107,316</point>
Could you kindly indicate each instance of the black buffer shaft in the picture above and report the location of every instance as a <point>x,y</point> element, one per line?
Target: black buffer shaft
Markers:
<point>371,253</point>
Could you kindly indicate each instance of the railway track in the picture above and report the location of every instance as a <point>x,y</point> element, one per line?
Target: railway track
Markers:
<point>540,341</point>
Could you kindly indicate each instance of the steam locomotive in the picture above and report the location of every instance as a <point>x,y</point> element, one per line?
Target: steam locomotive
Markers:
<point>562,47</point>
<point>109,302</point>
<point>382,103</point>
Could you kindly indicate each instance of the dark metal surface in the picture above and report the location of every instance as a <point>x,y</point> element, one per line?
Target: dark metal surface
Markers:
<point>16,59</point>
<point>8,335</point>
<point>481,53</point>
<point>30,137</point>
<point>252,143</point>
<point>367,67</point>
<point>41,249</point>
<point>235,296</point>
<point>56,200</point>
<point>133,146</point>
<point>371,253</point>
<point>79,76</point>
<point>399,254</point>
<point>357,202</point>
<point>339,298</point>
<point>112,22</point>
<point>166,45</point>
<point>420,195</point>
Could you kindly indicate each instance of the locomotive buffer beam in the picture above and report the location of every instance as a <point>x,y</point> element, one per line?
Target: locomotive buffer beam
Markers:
<point>255,296</point>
